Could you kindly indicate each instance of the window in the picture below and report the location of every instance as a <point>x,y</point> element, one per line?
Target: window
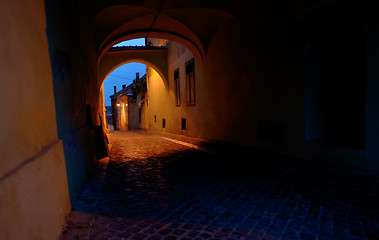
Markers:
<point>190,82</point>
<point>184,124</point>
<point>163,123</point>
<point>89,116</point>
<point>177,87</point>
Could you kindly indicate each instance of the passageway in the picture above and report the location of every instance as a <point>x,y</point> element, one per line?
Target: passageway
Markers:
<point>258,78</point>
<point>164,186</point>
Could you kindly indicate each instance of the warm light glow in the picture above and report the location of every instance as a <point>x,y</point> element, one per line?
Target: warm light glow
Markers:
<point>118,104</point>
<point>126,104</point>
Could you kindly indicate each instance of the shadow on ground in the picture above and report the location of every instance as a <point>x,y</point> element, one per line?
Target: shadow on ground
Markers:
<point>232,193</point>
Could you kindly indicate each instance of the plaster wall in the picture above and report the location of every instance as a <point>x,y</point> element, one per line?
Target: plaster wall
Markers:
<point>145,123</point>
<point>128,113</point>
<point>253,85</point>
<point>161,95</point>
<point>123,123</point>
<point>34,195</point>
<point>157,97</point>
<point>249,90</point>
<point>239,88</point>
<point>76,94</point>
<point>133,115</point>
<point>372,86</point>
<point>256,88</point>
<point>34,200</point>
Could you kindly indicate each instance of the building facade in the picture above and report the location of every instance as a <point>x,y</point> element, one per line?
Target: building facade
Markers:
<point>127,105</point>
<point>174,102</point>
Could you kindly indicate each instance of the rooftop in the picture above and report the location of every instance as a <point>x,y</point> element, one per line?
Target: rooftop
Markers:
<point>113,49</point>
<point>128,90</point>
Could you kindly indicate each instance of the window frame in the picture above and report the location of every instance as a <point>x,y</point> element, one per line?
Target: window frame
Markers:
<point>177,87</point>
<point>190,83</point>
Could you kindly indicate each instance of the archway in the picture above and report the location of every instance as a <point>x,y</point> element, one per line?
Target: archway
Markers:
<point>127,102</point>
<point>118,83</point>
<point>155,58</point>
<point>197,51</point>
<point>119,22</point>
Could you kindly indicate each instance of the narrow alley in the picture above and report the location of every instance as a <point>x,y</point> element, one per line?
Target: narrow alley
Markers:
<point>174,187</point>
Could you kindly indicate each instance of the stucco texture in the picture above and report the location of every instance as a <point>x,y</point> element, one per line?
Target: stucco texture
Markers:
<point>33,183</point>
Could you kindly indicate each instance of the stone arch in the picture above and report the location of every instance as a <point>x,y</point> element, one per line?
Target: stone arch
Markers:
<point>155,58</point>
<point>119,22</point>
<point>196,50</point>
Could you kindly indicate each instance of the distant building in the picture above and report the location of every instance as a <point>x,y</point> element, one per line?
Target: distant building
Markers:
<point>108,115</point>
<point>127,105</point>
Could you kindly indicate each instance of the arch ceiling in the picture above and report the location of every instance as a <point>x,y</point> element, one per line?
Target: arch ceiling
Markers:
<point>191,23</point>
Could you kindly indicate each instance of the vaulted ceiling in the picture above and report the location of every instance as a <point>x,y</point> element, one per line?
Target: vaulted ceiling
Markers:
<point>191,23</point>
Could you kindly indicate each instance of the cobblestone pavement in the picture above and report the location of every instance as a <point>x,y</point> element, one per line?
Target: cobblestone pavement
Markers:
<point>156,188</point>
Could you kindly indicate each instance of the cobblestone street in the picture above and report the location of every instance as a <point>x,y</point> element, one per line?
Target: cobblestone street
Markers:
<point>173,187</point>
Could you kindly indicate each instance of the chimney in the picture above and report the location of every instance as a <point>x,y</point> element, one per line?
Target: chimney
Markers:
<point>123,86</point>
<point>137,76</point>
<point>114,87</point>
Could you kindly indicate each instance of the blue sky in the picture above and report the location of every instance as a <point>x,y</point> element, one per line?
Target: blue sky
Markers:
<point>124,74</point>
